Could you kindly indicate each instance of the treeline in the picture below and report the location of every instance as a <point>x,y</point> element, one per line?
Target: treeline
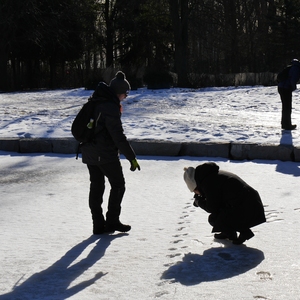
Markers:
<point>73,43</point>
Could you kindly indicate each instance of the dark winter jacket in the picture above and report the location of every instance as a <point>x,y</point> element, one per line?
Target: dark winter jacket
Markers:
<point>294,75</point>
<point>233,204</point>
<point>109,138</point>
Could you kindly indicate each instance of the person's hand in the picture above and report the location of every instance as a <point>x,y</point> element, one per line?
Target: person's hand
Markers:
<point>199,201</point>
<point>134,165</point>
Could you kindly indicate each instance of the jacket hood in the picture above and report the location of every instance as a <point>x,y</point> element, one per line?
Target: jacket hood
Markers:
<point>205,170</point>
<point>105,92</point>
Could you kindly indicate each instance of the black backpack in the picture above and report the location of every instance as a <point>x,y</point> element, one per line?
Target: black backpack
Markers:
<point>83,126</point>
<point>284,74</point>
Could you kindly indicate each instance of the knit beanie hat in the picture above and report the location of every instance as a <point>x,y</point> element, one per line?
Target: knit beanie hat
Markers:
<point>189,178</point>
<point>119,84</point>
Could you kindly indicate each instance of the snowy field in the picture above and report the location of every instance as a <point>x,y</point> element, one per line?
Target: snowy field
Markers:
<point>242,114</point>
<point>47,249</point>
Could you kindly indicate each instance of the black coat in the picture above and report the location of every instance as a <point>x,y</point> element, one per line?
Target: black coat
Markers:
<point>294,75</point>
<point>233,204</point>
<point>110,137</point>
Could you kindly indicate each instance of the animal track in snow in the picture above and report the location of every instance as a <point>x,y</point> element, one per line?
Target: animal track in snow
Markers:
<point>177,241</point>
<point>272,216</point>
<point>197,241</point>
<point>173,255</point>
<point>183,217</point>
<point>264,275</point>
<point>160,294</point>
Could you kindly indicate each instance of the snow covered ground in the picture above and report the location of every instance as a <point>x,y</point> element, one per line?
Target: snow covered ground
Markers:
<point>241,114</point>
<point>47,248</point>
<point>48,251</point>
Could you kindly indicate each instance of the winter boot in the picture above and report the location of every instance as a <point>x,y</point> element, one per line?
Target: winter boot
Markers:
<point>244,235</point>
<point>290,127</point>
<point>226,235</point>
<point>98,227</point>
<point>111,228</point>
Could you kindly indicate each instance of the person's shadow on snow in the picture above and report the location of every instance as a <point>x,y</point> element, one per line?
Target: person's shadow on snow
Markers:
<point>214,264</point>
<point>286,138</point>
<point>293,169</point>
<point>54,282</point>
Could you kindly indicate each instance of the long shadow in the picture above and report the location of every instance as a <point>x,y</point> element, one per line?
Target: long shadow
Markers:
<point>293,169</point>
<point>53,283</point>
<point>214,264</point>
<point>286,167</point>
<point>286,138</point>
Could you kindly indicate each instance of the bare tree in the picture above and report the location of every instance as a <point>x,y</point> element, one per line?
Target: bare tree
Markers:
<point>179,10</point>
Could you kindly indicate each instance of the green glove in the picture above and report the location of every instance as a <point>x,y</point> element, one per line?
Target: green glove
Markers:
<point>134,165</point>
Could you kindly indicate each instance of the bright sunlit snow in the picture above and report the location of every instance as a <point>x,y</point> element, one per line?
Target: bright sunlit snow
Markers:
<point>241,114</point>
<point>47,248</point>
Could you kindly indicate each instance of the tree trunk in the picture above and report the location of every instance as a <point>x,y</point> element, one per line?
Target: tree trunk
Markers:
<point>179,14</point>
<point>52,65</point>
<point>231,28</point>
<point>109,35</point>
<point>4,86</point>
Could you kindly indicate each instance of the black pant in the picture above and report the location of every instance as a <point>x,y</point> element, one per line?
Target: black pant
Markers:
<point>286,100</point>
<point>114,173</point>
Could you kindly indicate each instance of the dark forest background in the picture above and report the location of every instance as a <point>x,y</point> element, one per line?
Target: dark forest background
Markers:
<point>185,43</point>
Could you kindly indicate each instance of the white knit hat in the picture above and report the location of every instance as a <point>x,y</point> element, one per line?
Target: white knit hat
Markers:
<point>189,178</point>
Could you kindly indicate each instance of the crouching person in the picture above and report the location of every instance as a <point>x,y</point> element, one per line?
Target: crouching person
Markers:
<point>233,205</point>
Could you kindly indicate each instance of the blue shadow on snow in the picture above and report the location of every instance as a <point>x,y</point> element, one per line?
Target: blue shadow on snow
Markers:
<point>54,282</point>
<point>214,264</point>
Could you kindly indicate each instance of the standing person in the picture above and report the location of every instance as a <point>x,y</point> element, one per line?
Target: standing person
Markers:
<point>102,155</point>
<point>234,206</point>
<point>285,88</point>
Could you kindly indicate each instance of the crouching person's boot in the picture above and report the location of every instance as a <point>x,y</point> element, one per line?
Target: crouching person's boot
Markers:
<point>226,235</point>
<point>244,235</point>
